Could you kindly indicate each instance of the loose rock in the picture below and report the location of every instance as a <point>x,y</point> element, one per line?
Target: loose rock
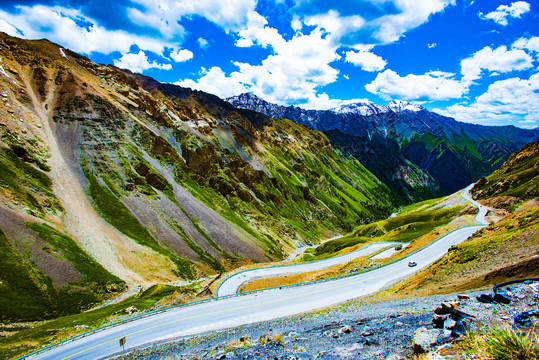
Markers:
<point>424,340</point>
<point>345,329</point>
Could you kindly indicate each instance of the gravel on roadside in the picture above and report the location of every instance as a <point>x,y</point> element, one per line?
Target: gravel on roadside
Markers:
<point>358,330</point>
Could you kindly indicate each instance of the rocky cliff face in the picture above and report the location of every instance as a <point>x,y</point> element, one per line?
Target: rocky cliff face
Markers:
<point>451,153</point>
<point>108,178</point>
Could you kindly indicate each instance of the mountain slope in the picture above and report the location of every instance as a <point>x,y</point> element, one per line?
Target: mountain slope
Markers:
<point>507,249</point>
<point>109,177</point>
<point>516,181</point>
<point>453,154</point>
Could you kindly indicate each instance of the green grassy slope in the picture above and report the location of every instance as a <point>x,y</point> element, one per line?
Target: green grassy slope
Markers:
<point>28,293</point>
<point>518,177</point>
<point>502,251</point>
<point>412,222</point>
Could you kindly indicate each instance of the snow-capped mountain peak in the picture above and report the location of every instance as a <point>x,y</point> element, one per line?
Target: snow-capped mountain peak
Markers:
<point>247,98</point>
<point>361,108</point>
<point>369,108</point>
<point>399,105</point>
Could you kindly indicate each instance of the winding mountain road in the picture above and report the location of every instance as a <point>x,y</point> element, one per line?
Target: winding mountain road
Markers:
<point>232,284</point>
<point>235,310</point>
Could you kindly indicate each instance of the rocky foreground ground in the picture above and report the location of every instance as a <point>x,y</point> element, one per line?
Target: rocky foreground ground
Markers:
<point>359,330</point>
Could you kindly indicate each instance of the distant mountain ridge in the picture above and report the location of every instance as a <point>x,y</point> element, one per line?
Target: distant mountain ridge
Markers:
<point>452,153</point>
<point>367,118</point>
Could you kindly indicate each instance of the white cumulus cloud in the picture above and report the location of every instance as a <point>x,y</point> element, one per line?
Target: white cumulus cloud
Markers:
<point>215,81</point>
<point>413,13</point>
<point>503,12</point>
<point>530,44</point>
<point>499,60</point>
<point>357,31</point>
<point>366,60</point>
<point>181,55</point>
<point>163,15</point>
<point>293,74</point>
<point>139,62</point>
<point>505,100</point>
<point>430,86</point>
<point>61,25</point>
<point>257,32</point>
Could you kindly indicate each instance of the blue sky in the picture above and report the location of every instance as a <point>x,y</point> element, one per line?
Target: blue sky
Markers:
<point>473,60</point>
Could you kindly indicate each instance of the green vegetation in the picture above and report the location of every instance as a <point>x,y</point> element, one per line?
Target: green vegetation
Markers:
<point>31,339</point>
<point>500,343</point>
<point>465,143</point>
<point>119,216</point>
<point>26,293</point>
<point>332,247</point>
<point>25,182</point>
<point>472,156</point>
<point>159,291</point>
<point>20,296</point>
<point>31,175</point>
<point>407,226</point>
<point>70,251</point>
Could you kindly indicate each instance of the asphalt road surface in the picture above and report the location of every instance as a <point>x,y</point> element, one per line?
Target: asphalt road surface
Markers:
<point>389,252</point>
<point>232,283</point>
<point>237,310</point>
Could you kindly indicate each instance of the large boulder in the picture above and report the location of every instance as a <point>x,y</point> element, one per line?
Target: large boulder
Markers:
<point>424,339</point>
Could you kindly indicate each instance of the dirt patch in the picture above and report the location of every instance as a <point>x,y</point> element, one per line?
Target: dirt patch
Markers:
<point>500,201</point>
<point>469,210</point>
<point>523,269</point>
<point>291,279</point>
<point>530,204</point>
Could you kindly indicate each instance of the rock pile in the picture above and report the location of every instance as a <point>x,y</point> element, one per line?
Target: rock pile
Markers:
<point>514,306</point>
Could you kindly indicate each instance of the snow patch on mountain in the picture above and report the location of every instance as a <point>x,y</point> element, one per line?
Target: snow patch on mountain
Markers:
<point>369,108</point>
<point>361,108</point>
<point>399,106</point>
